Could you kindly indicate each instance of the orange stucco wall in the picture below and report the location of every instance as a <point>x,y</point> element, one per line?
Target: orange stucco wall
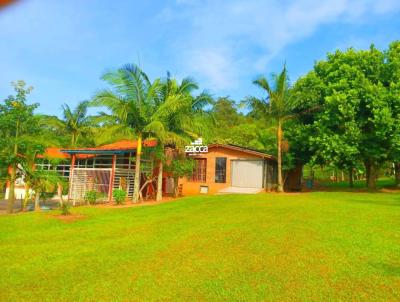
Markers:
<point>192,188</point>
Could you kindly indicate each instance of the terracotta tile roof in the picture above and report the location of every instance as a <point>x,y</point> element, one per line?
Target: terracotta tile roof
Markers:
<point>61,153</point>
<point>123,145</point>
<point>53,152</point>
<point>243,149</point>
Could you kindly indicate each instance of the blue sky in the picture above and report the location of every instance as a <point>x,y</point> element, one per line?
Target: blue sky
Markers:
<point>62,47</point>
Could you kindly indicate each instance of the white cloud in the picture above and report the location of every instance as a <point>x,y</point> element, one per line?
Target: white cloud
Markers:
<point>215,65</point>
<point>224,40</point>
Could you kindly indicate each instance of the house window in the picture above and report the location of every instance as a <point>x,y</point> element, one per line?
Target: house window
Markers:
<point>199,171</point>
<point>220,170</point>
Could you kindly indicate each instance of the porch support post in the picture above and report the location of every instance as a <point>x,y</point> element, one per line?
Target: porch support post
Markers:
<point>71,170</point>
<point>110,190</point>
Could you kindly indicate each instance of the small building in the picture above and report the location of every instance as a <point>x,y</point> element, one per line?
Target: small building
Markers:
<point>105,168</point>
<point>225,166</point>
<point>108,167</point>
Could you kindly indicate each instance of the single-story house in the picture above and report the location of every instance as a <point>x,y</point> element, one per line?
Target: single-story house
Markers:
<point>112,166</point>
<point>224,166</point>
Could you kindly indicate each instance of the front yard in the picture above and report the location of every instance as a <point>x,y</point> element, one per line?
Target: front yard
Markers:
<point>325,246</point>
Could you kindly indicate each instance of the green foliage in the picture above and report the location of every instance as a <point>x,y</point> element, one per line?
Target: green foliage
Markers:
<point>65,209</point>
<point>17,125</point>
<point>277,107</point>
<point>357,110</point>
<point>180,167</point>
<point>119,196</point>
<point>73,128</point>
<point>263,247</point>
<point>91,197</point>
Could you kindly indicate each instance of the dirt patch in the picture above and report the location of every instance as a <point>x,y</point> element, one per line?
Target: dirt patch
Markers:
<point>69,218</point>
<point>139,204</point>
<point>390,190</point>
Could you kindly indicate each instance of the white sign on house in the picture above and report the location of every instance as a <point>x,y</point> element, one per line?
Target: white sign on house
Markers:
<point>196,147</point>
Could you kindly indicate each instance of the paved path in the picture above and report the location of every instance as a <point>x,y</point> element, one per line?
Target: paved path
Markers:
<point>239,190</point>
<point>17,205</point>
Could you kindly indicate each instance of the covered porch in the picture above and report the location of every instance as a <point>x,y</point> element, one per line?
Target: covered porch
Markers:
<point>104,169</point>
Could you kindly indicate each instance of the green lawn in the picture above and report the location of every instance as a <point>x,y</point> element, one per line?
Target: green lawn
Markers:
<point>325,246</point>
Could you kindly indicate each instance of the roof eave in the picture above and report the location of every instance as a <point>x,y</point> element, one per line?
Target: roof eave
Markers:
<point>237,148</point>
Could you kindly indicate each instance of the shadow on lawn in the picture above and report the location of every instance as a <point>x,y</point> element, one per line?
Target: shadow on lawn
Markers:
<point>387,269</point>
<point>385,185</point>
<point>379,202</point>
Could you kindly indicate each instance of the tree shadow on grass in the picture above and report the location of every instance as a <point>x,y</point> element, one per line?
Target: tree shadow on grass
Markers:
<point>383,186</point>
<point>387,269</point>
<point>379,202</point>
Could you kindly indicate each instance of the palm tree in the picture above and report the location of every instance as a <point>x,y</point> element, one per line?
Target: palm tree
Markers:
<point>37,180</point>
<point>173,121</point>
<point>277,107</point>
<point>131,103</point>
<point>75,122</point>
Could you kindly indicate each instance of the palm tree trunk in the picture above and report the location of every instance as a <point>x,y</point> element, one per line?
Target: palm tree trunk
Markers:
<point>73,139</point>
<point>136,186</point>
<point>159,181</point>
<point>26,198</point>
<point>279,157</point>
<point>37,199</point>
<point>59,193</point>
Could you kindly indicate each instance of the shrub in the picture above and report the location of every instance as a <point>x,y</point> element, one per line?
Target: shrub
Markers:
<point>65,209</point>
<point>119,196</point>
<point>91,197</point>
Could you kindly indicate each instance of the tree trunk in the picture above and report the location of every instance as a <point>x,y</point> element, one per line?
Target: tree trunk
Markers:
<point>73,140</point>
<point>159,181</point>
<point>37,199</point>
<point>11,189</point>
<point>13,174</point>
<point>26,198</point>
<point>279,157</point>
<point>351,184</point>
<point>59,192</point>
<point>136,186</point>
<point>371,175</point>
<point>397,173</point>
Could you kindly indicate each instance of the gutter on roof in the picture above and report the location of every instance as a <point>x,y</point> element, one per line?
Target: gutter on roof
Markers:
<point>97,151</point>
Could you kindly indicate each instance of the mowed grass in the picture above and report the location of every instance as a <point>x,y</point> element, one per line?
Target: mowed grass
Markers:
<point>325,246</point>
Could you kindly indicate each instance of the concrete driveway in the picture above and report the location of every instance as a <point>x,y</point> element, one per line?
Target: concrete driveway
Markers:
<point>239,190</point>
<point>51,204</point>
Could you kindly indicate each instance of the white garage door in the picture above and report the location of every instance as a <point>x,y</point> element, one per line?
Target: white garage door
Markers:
<point>247,173</point>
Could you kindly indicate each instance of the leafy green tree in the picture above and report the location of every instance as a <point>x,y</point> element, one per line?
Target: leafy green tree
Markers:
<point>179,166</point>
<point>275,106</point>
<point>393,84</point>
<point>131,101</point>
<point>358,108</point>
<point>223,118</point>
<point>17,126</point>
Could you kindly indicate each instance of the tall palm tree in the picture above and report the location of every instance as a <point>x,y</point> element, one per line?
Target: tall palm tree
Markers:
<point>277,107</point>
<point>75,122</point>
<point>173,121</point>
<point>131,103</point>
